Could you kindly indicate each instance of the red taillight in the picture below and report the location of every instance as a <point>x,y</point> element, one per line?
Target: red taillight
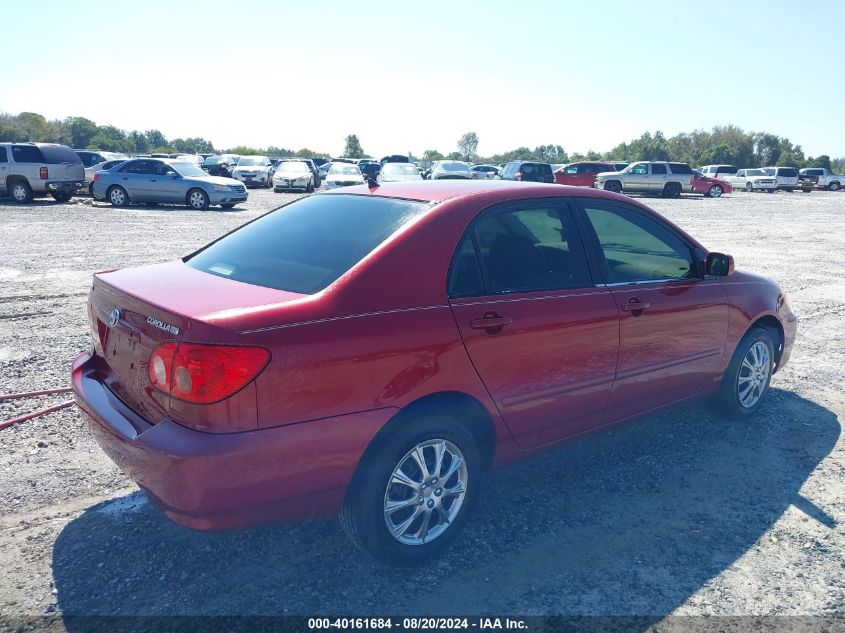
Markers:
<point>43,174</point>
<point>518,176</point>
<point>97,176</point>
<point>204,373</point>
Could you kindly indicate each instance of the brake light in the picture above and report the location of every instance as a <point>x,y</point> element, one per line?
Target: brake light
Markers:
<point>43,174</point>
<point>203,374</point>
<point>518,176</point>
<point>97,176</point>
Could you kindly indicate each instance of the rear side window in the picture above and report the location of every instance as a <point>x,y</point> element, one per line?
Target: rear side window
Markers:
<point>3,157</point>
<point>26,154</point>
<point>726,169</point>
<point>308,244</point>
<point>58,154</point>
<point>658,169</point>
<point>522,250</point>
<point>680,168</point>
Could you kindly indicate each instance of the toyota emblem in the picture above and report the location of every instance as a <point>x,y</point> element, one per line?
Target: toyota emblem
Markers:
<point>114,317</point>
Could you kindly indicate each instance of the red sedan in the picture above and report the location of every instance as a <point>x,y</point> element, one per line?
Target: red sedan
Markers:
<point>372,351</point>
<point>710,187</point>
<point>582,174</point>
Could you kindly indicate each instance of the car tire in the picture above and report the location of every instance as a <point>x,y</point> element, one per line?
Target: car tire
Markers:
<point>277,190</point>
<point>227,205</point>
<point>117,196</point>
<point>671,190</point>
<point>770,190</point>
<point>375,486</point>
<point>747,378</point>
<point>310,187</point>
<point>715,191</point>
<point>20,191</point>
<point>834,186</point>
<point>749,187</point>
<point>197,199</point>
<point>61,196</point>
<point>614,186</point>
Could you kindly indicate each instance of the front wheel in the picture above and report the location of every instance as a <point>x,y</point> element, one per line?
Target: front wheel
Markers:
<point>198,199</point>
<point>715,191</point>
<point>613,185</point>
<point>748,375</point>
<point>411,496</point>
<point>749,187</point>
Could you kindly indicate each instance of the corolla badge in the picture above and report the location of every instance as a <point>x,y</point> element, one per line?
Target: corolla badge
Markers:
<point>114,317</point>
<point>161,325</point>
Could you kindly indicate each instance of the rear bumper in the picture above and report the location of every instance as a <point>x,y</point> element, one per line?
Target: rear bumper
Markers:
<point>220,481</point>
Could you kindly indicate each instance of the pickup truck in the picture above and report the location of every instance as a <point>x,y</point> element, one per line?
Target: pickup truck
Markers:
<point>824,179</point>
<point>666,179</point>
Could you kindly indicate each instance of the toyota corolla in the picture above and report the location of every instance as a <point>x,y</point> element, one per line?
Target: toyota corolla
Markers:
<point>370,352</point>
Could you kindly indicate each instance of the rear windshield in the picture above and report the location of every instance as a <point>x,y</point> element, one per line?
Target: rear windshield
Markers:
<point>308,244</point>
<point>56,154</point>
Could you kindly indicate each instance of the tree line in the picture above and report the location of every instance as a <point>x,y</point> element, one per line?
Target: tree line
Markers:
<point>723,144</point>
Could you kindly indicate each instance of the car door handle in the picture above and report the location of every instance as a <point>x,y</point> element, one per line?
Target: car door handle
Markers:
<point>491,321</point>
<point>635,305</point>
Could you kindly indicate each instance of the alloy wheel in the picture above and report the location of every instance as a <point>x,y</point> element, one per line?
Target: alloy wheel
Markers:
<point>754,374</point>
<point>425,492</point>
<point>197,200</point>
<point>117,197</point>
<point>715,191</point>
<point>19,193</point>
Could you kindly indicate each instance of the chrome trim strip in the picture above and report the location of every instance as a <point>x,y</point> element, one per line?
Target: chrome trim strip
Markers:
<point>122,320</point>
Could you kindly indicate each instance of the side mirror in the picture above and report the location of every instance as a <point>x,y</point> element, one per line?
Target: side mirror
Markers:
<point>718,265</point>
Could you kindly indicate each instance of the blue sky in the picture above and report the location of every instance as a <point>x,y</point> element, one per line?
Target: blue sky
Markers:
<point>411,76</point>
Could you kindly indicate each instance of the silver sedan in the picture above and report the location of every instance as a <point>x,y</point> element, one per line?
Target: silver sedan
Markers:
<point>166,180</point>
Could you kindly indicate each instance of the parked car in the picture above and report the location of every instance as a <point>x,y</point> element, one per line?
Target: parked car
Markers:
<point>343,174</point>
<point>786,177</point>
<point>105,165</point>
<point>315,171</point>
<point>220,165</point>
<point>306,364</point>
<point>90,157</point>
<point>29,170</point>
<point>483,172</point>
<point>581,174</point>
<point>709,187</point>
<point>166,180</point>
<point>395,158</point>
<point>449,170</point>
<point>324,169</point>
<point>718,171</point>
<point>619,166</point>
<point>527,171</point>
<point>824,179</point>
<point>253,171</point>
<point>752,180</point>
<point>666,179</point>
<point>293,174</point>
<point>398,172</point>
<point>193,159</point>
<point>369,168</point>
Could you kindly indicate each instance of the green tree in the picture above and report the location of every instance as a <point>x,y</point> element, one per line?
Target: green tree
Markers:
<point>137,142</point>
<point>468,146</point>
<point>155,138</point>
<point>431,155</point>
<point>81,130</point>
<point>551,154</point>
<point>820,161</point>
<point>353,147</point>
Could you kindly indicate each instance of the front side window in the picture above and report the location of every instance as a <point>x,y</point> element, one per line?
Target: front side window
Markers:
<point>574,169</point>
<point>637,247</point>
<point>527,249</point>
<point>305,246</point>
<point>639,169</point>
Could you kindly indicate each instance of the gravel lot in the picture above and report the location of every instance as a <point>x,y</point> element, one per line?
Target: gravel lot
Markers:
<point>681,513</point>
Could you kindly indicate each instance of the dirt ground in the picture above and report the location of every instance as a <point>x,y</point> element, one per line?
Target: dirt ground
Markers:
<point>682,513</point>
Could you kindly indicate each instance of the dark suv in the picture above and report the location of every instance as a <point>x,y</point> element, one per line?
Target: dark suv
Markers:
<point>527,171</point>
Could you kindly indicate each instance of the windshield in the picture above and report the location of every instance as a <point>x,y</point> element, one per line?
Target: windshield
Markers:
<point>252,161</point>
<point>400,168</point>
<point>305,246</point>
<point>187,169</point>
<point>756,172</point>
<point>454,167</point>
<point>344,168</point>
<point>292,167</point>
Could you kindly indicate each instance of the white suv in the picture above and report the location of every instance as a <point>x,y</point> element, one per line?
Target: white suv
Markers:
<point>28,170</point>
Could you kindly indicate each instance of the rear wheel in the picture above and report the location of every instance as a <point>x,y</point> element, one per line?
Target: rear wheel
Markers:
<point>198,199</point>
<point>117,196</point>
<point>613,185</point>
<point>21,192</point>
<point>834,186</point>
<point>748,375</point>
<point>671,190</point>
<point>411,496</point>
